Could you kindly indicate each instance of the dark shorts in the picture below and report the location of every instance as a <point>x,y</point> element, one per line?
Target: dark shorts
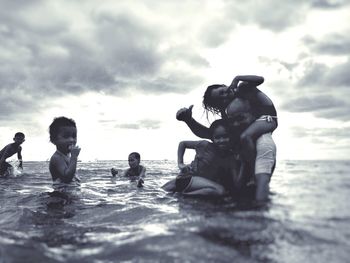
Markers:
<point>182,182</point>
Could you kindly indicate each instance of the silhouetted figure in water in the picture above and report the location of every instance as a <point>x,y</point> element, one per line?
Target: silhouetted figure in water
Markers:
<point>136,171</point>
<point>8,151</point>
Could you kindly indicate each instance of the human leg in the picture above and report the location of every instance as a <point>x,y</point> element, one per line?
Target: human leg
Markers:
<point>264,165</point>
<point>248,140</point>
<point>5,169</point>
<point>202,186</point>
<point>169,186</point>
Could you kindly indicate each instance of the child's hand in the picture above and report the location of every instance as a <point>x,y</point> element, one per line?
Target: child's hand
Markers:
<point>75,150</point>
<point>140,182</point>
<point>184,114</point>
<point>114,172</point>
<point>184,168</point>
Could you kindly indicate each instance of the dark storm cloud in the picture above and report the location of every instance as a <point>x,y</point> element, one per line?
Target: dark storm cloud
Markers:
<point>333,44</point>
<point>323,90</point>
<point>44,55</point>
<point>274,15</point>
<point>321,76</point>
<point>142,124</point>
<point>313,103</point>
<point>329,4</point>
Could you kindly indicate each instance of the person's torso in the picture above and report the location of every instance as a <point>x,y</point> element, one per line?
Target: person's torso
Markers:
<point>136,171</point>
<point>55,178</point>
<point>9,150</point>
<point>209,164</point>
<point>260,103</point>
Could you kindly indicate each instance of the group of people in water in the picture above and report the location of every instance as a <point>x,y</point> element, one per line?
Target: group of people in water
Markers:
<point>240,157</point>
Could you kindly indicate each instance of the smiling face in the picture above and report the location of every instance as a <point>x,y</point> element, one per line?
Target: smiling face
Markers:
<point>66,138</point>
<point>133,161</point>
<point>19,140</point>
<point>221,138</point>
<point>222,95</point>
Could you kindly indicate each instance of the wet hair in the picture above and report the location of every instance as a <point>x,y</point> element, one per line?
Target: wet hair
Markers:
<point>136,155</point>
<point>209,103</point>
<point>217,123</point>
<point>19,134</point>
<point>58,123</point>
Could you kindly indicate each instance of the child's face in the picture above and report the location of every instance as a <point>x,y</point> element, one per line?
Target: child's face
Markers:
<point>19,140</point>
<point>221,138</point>
<point>66,139</point>
<point>222,95</point>
<point>240,120</point>
<point>133,162</point>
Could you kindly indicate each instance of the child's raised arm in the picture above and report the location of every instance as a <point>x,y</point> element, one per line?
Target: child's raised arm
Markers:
<point>181,151</point>
<point>248,81</point>
<point>60,169</point>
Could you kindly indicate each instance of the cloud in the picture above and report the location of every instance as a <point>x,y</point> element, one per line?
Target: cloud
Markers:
<point>142,124</point>
<point>329,4</point>
<point>333,134</point>
<point>313,103</point>
<point>332,44</point>
<point>321,76</point>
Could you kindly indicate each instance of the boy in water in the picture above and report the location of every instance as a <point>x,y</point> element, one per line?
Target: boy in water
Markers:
<point>136,171</point>
<point>10,150</point>
<point>63,163</point>
<point>213,167</point>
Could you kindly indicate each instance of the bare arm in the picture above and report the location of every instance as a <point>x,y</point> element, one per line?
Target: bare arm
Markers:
<point>185,115</point>
<point>247,81</point>
<point>143,172</point>
<point>181,151</point>
<point>19,156</point>
<point>3,156</point>
<point>60,169</point>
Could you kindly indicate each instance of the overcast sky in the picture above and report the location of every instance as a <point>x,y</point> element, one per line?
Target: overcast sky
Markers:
<point>121,70</point>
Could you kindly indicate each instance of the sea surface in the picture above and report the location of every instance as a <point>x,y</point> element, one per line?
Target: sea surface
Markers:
<point>111,220</point>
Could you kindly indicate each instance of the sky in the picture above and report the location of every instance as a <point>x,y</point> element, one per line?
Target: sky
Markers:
<point>122,69</point>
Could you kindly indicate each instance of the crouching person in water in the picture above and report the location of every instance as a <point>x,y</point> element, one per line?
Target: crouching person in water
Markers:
<point>63,163</point>
<point>213,167</point>
<point>8,151</point>
<point>136,171</point>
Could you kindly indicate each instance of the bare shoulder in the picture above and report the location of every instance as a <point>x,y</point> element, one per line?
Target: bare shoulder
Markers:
<point>56,158</point>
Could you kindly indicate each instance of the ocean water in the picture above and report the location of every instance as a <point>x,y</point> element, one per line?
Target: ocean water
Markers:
<point>111,220</point>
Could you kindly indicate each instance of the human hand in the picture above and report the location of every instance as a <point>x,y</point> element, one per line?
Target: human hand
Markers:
<point>140,182</point>
<point>184,167</point>
<point>184,114</point>
<point>74,150</point>
<point>114,172</point>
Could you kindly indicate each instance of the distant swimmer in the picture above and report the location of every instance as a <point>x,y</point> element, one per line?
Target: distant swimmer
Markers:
<point>63,163</point>
<point>136,171</point>
<point>8,151</point>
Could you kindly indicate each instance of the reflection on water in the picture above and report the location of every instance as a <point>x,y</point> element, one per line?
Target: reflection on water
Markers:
<point>110,220</point>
